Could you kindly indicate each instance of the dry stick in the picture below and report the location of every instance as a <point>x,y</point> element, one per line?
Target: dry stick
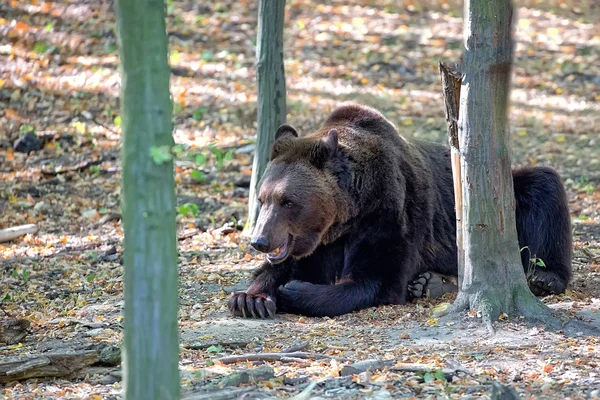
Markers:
<point>366,365</point>
<point>296,347</point>
<point>276,357</point>
<point>451,82</point>
<point>262,357</point>
<point>16,231</point>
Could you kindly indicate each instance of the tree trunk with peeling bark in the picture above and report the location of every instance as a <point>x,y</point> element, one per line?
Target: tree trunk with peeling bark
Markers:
<point>492,279</point>
<point>151,350</point>
<point>271,93</point>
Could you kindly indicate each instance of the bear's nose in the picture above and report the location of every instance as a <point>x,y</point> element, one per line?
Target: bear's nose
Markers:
<point>260,243</point>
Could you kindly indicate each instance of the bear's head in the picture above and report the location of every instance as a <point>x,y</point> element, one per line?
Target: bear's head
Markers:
<point>297,195</point>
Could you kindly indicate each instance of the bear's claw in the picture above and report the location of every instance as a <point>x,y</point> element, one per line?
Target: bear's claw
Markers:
<point>246,305</point>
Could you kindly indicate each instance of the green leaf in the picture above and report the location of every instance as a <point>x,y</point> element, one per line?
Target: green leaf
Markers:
<point>207,55</point>
<point>40,47</point>
<point>161,155</point>
<point>26,129</point>
<point>117,120</point>
<point>188,208</point>
<point>200,160</point>
<point>439,376</point>
<point>214,349</point>
<point>199,113</point>
<point>90,277</point>
<point>428,377</point>
<point>177,150</point>
<point>229,155</point>
<point>95,170</point>
<point>540,262</point>
<point>198,175</point>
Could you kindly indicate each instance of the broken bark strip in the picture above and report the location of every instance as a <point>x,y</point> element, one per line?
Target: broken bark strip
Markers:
<point>451,83</point>
<point>48,365</point>
<point>13,330</point>
<point>16,232</point>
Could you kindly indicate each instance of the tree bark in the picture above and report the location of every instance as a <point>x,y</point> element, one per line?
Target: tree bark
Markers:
<point>271,93</point>
<point>150,358</point>
<point>493,281</point>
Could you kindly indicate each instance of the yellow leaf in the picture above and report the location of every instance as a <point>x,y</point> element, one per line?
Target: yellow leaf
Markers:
<point>559,91</point>
<point>503,317</point>
<point>522,132</point>
<point>552,31</point>
<point>16,346</point>
<point>561,138</point>
<point>407,122</point>
<point>524,23</point>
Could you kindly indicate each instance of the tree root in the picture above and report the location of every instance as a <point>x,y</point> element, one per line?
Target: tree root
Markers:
<point>521,302</point>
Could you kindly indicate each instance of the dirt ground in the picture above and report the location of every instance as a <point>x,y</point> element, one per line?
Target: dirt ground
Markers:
<point>59,79</point>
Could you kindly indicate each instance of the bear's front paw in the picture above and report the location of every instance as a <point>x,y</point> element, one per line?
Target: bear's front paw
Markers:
<point>295,294</point>
<point>259,305</point>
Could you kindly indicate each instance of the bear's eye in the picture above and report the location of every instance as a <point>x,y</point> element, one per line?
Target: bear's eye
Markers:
<point>287,204</point>
<point>260,201</point>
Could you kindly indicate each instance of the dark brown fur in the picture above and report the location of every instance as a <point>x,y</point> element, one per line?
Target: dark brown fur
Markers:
<point>362,211</point>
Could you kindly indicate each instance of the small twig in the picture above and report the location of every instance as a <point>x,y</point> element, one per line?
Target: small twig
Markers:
<point>590,255</point>
<point>73,168</point>
<point>296,347</point>
<point>90,117</point>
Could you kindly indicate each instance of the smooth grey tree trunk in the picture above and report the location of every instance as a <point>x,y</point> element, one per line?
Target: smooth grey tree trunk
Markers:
<point>151,350</point>
<point>271,93</point>
<point>492,277</point>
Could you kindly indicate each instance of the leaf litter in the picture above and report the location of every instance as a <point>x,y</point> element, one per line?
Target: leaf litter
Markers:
<point>59,79</point>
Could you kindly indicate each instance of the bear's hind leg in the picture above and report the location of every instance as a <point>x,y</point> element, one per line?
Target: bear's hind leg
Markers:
<point>544,229</point>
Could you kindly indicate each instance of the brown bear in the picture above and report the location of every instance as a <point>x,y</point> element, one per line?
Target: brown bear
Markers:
<point>353,212</point>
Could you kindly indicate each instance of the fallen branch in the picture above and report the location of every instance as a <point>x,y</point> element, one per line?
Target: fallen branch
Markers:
<point>48,365</point>
<point>16,231</point>
<point>264,357</point>
<point>366,365</point>
<point>284,357</point>
<point>218,394</point>
<point>203,346</point>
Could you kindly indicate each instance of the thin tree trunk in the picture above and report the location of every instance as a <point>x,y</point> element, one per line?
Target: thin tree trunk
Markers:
<point>151,355</point>
<point>271,92</point>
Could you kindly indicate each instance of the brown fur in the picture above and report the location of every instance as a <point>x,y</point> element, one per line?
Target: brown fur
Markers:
<point>357,211</point>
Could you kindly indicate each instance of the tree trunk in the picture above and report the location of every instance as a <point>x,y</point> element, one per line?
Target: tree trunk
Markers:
<point>150,358</point>
<point>493,281</point>
<point>271,92</point>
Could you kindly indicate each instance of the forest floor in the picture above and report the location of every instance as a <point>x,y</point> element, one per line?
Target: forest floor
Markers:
<point>59,79</point>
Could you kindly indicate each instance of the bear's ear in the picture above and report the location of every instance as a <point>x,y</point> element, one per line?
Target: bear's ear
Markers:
<point>324,149</point>
<point>285,130</point>
<point>283,136</point>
